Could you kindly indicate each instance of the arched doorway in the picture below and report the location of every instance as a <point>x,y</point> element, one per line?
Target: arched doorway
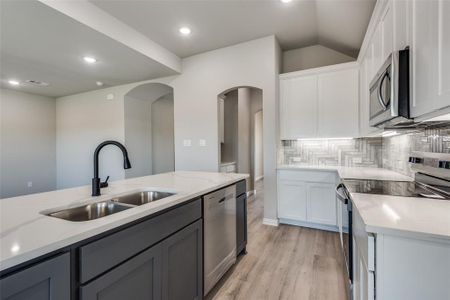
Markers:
<point>240,115</point>
<point>149,129</point>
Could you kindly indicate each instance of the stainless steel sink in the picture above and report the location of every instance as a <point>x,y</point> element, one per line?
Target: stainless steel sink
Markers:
<point>143,197</point>
<point>90,211</point>
<point>102,209</point>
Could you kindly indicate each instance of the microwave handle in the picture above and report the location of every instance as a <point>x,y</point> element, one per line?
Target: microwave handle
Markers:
<point>380,97</point>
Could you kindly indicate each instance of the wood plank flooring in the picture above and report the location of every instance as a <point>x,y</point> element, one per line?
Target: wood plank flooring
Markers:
<point>284,262</point>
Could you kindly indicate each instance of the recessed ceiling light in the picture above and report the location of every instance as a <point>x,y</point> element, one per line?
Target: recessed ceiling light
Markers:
<point>13,82</point>
<point>286,1</point>
<point>90,60</point>
<point>185,30</point>
<point>99,83</point>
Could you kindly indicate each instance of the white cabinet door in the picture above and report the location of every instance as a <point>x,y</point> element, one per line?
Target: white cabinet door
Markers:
<point>292,200</point>
<point>338,104</point>
<point>443,55</point>
<point>298,111</point>
<point>430,52</point>
<point>321,204</point>
<point>387,31</point>
<point>377,50</point>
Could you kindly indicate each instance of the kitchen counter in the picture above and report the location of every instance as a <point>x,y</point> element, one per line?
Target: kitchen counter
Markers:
<point>352,172</point>
<point>405,216</point>
<point>25,233</point>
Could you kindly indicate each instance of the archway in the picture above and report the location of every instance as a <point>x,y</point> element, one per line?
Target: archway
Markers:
<point>240,115</point>
<point>149,129</point>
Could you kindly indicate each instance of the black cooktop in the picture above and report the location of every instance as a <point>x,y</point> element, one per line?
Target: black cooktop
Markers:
<point>397,188</point>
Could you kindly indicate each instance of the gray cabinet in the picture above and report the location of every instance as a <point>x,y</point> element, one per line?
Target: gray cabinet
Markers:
<point>182,264</point>
<point>137,279</point>
<point>48,280</point>
<point>241,223</point>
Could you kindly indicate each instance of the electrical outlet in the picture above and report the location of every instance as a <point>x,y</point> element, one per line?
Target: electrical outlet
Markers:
<point>30,184</point>
<point>202,143</point>
<point>187,143</point>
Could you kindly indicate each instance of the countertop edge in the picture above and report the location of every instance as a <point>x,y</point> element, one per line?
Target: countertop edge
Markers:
<point>11,262</point>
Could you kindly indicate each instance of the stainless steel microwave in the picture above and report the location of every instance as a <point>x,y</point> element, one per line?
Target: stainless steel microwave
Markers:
<point>390,92</point>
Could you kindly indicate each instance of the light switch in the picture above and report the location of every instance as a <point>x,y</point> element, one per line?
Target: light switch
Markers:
<point>202,143</point>
<point>187,143</point>
<point>30,184</point>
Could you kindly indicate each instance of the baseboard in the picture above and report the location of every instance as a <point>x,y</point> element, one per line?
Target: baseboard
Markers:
<point>270,222</point>
<point>309,225</point>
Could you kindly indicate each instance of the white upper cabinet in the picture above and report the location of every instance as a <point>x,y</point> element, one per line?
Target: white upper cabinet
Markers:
<point>430,37</point>
<point>320,102</point>
<point>298,107</point>
<point>338,104</point>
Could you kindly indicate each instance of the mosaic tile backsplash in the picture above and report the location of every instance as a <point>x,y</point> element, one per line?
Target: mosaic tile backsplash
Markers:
<point>362,152</point>
<point>397,149</point>
<point>387,152</point>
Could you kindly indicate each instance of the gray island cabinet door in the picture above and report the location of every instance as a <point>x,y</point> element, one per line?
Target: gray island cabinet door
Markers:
<point>136,279</point>
<point>183,264</point>
<point>48,280</point>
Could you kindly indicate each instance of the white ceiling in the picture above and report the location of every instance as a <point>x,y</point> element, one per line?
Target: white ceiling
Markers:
<point>337,24</point>
<point>40,43</point>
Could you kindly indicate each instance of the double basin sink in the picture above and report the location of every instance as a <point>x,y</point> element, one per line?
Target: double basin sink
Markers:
<point>105,208</point>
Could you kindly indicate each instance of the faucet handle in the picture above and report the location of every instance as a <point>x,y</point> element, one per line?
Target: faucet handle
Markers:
<point>104,183</point>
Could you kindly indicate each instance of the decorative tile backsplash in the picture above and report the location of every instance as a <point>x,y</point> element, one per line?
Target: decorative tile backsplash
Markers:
<point>397,149</point>
<point>364,152</point>
<point>387,152</point>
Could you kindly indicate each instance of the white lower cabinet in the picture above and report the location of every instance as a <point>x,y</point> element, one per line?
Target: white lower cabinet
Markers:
<point>321,204</point>
<point>293,205</point>
<point>303,201</point>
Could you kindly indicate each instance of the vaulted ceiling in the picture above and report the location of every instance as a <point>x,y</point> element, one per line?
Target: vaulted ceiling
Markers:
<point>337,24</point>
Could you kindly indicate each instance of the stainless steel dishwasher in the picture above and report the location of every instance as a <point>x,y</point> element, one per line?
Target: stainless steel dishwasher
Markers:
<point>219,234</point>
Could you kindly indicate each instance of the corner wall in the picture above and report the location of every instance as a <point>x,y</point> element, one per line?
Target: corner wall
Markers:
<point>27,144</point>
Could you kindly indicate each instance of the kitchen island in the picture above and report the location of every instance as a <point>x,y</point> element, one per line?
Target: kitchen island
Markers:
<point>90,257</point>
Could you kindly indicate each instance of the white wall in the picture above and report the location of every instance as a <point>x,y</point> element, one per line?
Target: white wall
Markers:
<point>255,63</point>
<point>244,131</point>
<point>138,136</point>
<point>27,143</point>
<point>259,154</point>
<point>163,145</point>
<point>83,121</point>
<point>312,57</point>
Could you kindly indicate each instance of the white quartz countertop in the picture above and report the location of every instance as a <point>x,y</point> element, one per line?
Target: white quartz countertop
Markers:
<point>352,172</point>
<point>25,233</point>
<point>404,216</point>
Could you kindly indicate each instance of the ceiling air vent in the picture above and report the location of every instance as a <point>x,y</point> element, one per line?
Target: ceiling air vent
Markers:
<point>36,82</point>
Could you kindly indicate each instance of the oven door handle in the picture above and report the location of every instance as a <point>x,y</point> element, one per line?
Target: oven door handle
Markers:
<point>380,97</point>
<point>341,196</point>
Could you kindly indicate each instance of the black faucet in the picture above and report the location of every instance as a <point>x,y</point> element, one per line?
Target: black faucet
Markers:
<point>96,183</point>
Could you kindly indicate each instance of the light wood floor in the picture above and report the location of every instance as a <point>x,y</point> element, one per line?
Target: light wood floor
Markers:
<point>284,262</point>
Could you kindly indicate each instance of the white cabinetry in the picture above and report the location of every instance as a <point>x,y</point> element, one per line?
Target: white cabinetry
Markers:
<point>338,104</point>
<point>430,37</point>
<point>307,198</point>
<point>298,107</point>
<point>424,27</point>
<point>321,102</point>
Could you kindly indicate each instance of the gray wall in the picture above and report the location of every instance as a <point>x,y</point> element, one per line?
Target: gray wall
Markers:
<point>312,57</point>
<point>27,143</point>
<point>163,146</point>
<point>138,136</point>
<point>259,154</point>
<point>229,147</point>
